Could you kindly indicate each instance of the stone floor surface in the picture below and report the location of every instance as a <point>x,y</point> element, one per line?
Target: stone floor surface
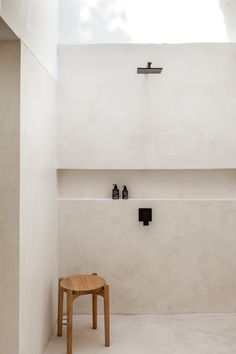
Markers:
<point>152,334</point>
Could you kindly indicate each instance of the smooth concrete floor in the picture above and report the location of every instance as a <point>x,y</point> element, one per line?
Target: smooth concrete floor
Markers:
<point>152,334</point>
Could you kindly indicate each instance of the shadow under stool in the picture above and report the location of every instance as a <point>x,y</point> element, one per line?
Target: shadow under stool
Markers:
<point>75,286</point>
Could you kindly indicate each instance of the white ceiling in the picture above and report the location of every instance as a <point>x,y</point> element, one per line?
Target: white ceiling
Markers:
<point>6,33</point>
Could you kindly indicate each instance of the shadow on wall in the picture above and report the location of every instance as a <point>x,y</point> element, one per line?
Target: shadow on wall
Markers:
<point>228,8</point>
<point>95,21</point>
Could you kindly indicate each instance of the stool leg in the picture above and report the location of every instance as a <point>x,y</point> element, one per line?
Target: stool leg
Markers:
<point>95,306</point>
<point>69,320</point>
<point>106,315</point>
<point>60,308</point>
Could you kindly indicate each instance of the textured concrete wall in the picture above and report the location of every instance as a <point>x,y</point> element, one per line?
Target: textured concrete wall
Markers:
<point>183,262</point>
<point>112,118</point>
<point>38,207</point>
<point>10,194</point>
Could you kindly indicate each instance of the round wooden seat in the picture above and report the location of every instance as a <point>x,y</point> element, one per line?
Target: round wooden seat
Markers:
<point>83,283</point>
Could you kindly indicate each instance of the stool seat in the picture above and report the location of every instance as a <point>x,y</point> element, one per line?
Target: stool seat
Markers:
<point>83,283</point>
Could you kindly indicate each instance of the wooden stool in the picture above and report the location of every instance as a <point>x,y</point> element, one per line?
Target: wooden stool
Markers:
<point>76,286</point>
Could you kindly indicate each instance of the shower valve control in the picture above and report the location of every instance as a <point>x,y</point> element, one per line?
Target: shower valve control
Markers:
<point>145,215</point>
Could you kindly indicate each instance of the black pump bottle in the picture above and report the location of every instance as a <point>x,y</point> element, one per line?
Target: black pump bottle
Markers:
<point>125,194</point>
<point>115,192</point>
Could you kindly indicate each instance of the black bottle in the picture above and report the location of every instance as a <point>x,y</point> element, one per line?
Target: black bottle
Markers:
<point>115,192</point>
<point>125,194</point>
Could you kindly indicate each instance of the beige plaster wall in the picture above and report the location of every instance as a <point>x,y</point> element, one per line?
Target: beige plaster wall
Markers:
<point>112,118</point>
<point>36,24</point>
<point>38,207</point>
<point>184,259</point>
<point>171,139</point>
<point>10,192</point>
<point>184,262</point>
<point>148,184</point>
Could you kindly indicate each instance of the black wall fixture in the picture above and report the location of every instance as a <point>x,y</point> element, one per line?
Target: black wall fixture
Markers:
<point>145,215</point>
<point>149,69</point>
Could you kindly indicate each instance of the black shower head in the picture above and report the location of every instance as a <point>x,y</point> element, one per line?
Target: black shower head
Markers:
<point>149,69</point>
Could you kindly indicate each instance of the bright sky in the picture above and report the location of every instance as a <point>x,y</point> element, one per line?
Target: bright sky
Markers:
<point>154,21</point>
<point>175,20</point>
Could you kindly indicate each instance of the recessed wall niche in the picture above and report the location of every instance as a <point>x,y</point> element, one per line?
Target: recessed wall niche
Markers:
<point>148,184</point>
